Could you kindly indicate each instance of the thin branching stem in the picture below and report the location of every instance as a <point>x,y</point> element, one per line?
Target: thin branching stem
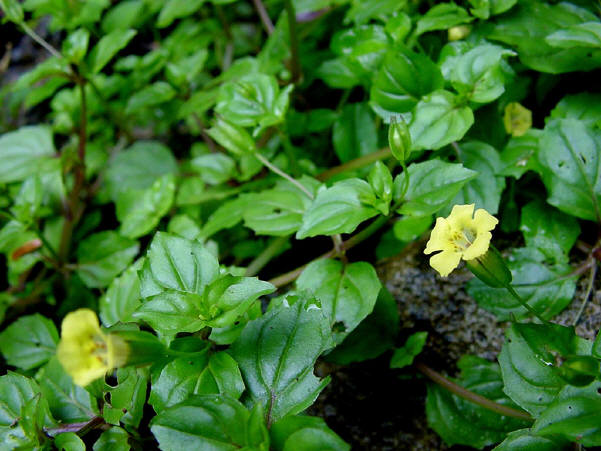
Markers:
<point>469,395</point>
<point>37,38</point>
<point>587,293</point>
<point>282,174</point>
<point>356,163</point>
<point>273,249</point>
<point>265,20</point>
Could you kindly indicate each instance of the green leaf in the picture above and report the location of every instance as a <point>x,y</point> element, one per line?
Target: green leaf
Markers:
<point>545,288</point>
<point>113,439</point>
<point>108,46</point>
<point>576,419</point>
<point>586,34</point>
<point>140,211</point>
<point>527,27</point>
<point>228,297</point>
<point>29,342</point>
<point>103,256</point>
<point>171,312</point>
<point>68,402</point>
<point>354,133</point>
<point>214,168</point>
<point>226,216</point>
<point>123,15</point>
<point>211,422</point>
<point>528,360</point>
<point>254,99</point>
<point>477,73</point>
<point>176,9</point>
<point>276,354</point>
<point>232,137</point>
<point>149,96</point>
<point>279,211</point>
<point>197,374</point>
<point>15,392</point>
<point>519,155</point>
<point>305,433</point>
<point>138,167</point>
<point>76,45</point>
<point>122,297</point>
<point>409,228</point>
<point>338,73</point>
<point>128,398</point>
<point>347,293</point>
<point>484,190</point>
<point>363,48</point>
<point>525,440</point>
<point>548,230</point>
<point>586,107</point>
<point>439,119</point>
<point>177,381</point>
<point>69,441</point>
<point>459,421</point>
<point>405,355</point>
<point>442,17</point>
<point>403,79</point>
<point>570,156</point>
<point>24,151</point>
<point>179,264</point>
<point>432,185</point>
<point>13,10</point>
<point>361,12</point>
<point>338,209</point>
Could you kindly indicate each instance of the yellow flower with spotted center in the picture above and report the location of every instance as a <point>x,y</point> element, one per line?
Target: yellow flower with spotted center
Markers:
<point>85,351</point>
<point>462,234</point>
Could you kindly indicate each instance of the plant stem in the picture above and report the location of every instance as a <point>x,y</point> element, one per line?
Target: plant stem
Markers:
<point>264,257</point>
<point>525,304</point>
<point>356,163</point>
<point>290,276</point>
<point>37,38</point>
<point>74,208</point>
<point>265,20</point>
<point>587,293</point>
<point>282,174</point>
<point>468,395</point>
<point>295,67</point>
<point>80,428</point>
<point>229,46</point>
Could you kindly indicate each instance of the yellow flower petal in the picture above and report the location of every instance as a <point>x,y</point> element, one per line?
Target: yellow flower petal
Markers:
<point>461,216</point>
<point>84,349</point>
<point>445,262</point>
<point>439,238</point>
<point>478,247</point>
<point>484,221</point>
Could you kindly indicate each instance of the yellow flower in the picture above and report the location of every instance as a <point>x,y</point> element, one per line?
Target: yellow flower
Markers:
<point>462,235</point>
<point>517,119</point>
<point>86,352</point>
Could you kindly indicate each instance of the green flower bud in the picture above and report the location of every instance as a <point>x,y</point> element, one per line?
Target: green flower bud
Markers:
<point>399,140</point>
<point>580,370</point>
<point>490,268</point>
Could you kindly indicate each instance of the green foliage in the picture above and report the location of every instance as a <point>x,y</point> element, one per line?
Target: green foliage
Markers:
<point>170,165</point>
<point>459,421</point>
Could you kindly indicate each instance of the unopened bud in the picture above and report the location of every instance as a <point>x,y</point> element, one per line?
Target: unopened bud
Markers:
<point>459,32</point>
<point>399,140</point>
